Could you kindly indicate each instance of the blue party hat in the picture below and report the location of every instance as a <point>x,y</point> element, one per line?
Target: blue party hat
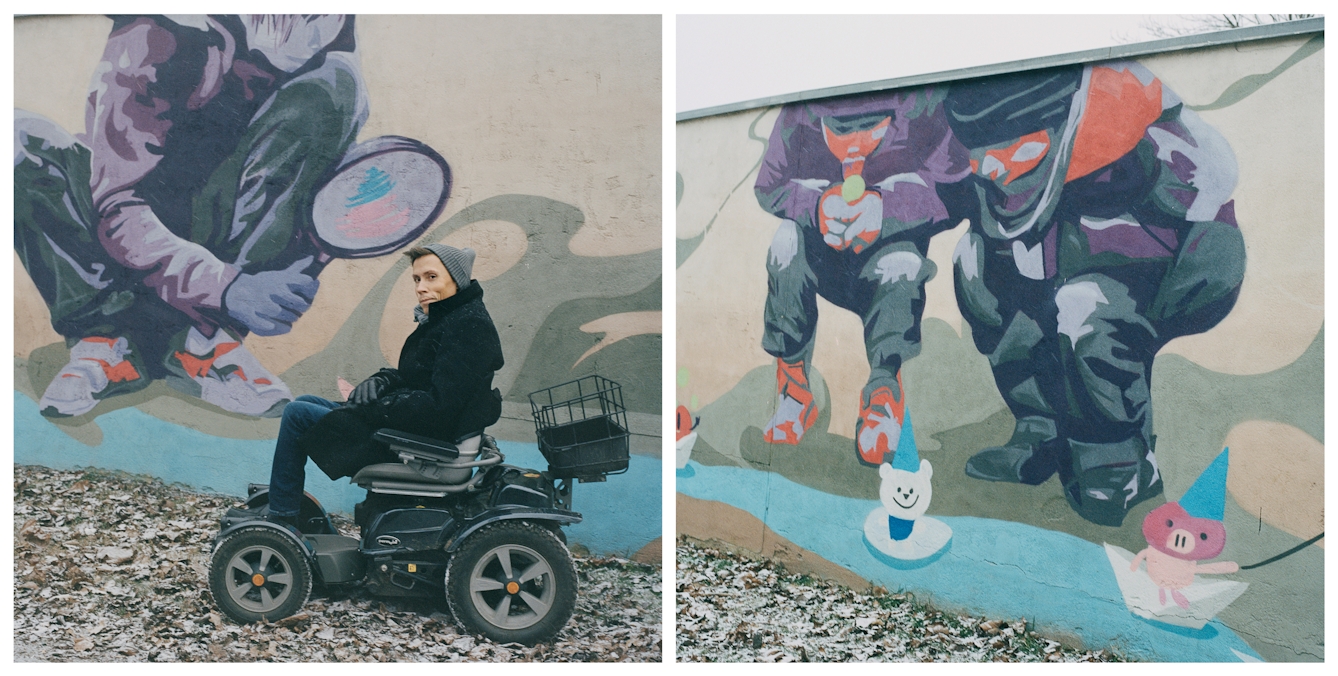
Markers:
<point>1206,499</point>
<point>907,456</point>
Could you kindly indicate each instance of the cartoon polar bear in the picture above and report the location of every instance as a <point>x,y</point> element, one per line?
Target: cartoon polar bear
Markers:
<point>898,528</point>
<point>905,496</point>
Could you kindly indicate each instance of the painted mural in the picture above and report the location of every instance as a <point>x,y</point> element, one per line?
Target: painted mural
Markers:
<point>1012,259</point>
<point>223,233</point>
<point>216,178</point>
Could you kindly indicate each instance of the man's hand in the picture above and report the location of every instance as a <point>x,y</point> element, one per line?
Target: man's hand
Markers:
<point>850,224</point>
<point>269,302</point>
<point>368,390</point>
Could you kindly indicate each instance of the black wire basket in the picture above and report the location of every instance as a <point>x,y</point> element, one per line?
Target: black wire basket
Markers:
<point>582,428</point>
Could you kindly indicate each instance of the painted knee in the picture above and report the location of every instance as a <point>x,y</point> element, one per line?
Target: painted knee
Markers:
<point>32,132</point>
<point>784,246</point>
<point>1201,287</point>
<point>1077,302</point>
<point>332,97</point>
<point>904,267</point>
<point>978,304</point>
<point>892,319</point>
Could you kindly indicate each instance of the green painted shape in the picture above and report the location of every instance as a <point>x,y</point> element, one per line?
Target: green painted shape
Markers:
<point>682,376</point>
<point>678,188</point>
<point>1194,408</point>
<point>519,299</point>
<point>950,384</point>
<point>1250,84</point>
<point>633,363</point>
<point>684,247</point>
<point>750,403</point>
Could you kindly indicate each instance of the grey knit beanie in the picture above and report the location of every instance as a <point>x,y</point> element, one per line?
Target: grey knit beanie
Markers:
<point>458,262</point>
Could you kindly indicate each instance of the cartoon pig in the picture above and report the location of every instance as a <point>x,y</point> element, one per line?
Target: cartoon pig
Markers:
<point>1180,534</point>
<point>905,496</point>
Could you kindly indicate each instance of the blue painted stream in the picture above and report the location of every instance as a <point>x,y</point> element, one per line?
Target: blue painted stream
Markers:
<point>621,515</point>
<point>1001,569</point>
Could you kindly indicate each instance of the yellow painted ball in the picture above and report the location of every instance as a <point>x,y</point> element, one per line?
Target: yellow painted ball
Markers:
<point>853,189</point>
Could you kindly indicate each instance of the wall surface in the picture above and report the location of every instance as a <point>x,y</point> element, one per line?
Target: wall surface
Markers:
<point>988,340</point>
<point>210,150</point>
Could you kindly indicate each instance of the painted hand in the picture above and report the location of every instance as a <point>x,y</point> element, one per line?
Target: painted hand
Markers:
<point>269,302</point>
<point>850,225</point>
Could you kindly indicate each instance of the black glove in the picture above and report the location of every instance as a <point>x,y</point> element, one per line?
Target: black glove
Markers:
<point>369,390</point>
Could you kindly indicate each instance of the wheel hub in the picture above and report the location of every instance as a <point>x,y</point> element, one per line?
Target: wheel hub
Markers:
<point>259,579</point>
<point>512,586</point>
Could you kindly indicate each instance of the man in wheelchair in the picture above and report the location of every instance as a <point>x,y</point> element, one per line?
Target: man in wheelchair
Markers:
<point>441,389</point>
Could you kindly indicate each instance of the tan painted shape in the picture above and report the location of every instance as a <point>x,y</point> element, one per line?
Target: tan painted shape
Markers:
<point>619,326</point>
<point>498,246</point>
<point>343,284</point>
<point>838,352</point>
<point>713,155</point>
<point>719,523</point>
<point>651,554</point>
<point>32,318</point>
<point>1277,474</point>
<point>721,290</point>
<point>1279,202</point>
<point>54,59</point>
<point>1186,75</point>
<point>580,126</point>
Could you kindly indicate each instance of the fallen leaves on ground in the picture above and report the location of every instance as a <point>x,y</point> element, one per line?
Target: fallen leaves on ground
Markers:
<point>732,608</point>
<point>113,568</point>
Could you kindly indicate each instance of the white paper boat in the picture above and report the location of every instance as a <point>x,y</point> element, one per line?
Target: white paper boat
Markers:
<point>684,451</point>
<point>1207,596</point>
<point>926,539</point>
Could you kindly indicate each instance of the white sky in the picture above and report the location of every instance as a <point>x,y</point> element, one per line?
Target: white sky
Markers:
<point>727,59</point>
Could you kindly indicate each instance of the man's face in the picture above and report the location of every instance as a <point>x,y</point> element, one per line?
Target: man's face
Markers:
<point>431,281</point>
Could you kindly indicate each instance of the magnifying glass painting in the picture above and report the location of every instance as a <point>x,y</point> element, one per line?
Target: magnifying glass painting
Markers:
<point>384,195</point>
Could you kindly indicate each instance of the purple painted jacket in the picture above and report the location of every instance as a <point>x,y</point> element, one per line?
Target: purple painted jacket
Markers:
<point>816,146</point>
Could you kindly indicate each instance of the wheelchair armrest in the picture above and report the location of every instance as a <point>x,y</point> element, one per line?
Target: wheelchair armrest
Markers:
<point>414,442</point>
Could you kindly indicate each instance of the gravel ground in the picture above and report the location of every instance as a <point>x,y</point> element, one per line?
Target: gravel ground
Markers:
<point>112,568</point>
<point>737,609</point>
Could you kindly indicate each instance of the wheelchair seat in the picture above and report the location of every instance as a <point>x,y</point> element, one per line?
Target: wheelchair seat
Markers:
<point>428,467</point>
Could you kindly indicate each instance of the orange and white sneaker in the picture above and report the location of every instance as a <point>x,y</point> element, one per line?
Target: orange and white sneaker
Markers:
<point>882,413</point>
<point>795,410</point>
<point>98,369</point>
<point>222,372</point>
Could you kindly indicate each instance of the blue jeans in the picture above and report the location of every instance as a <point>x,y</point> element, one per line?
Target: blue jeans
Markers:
<point>289,473</point>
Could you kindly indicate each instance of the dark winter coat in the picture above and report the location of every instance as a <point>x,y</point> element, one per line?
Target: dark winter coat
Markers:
<point>442,389</point>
